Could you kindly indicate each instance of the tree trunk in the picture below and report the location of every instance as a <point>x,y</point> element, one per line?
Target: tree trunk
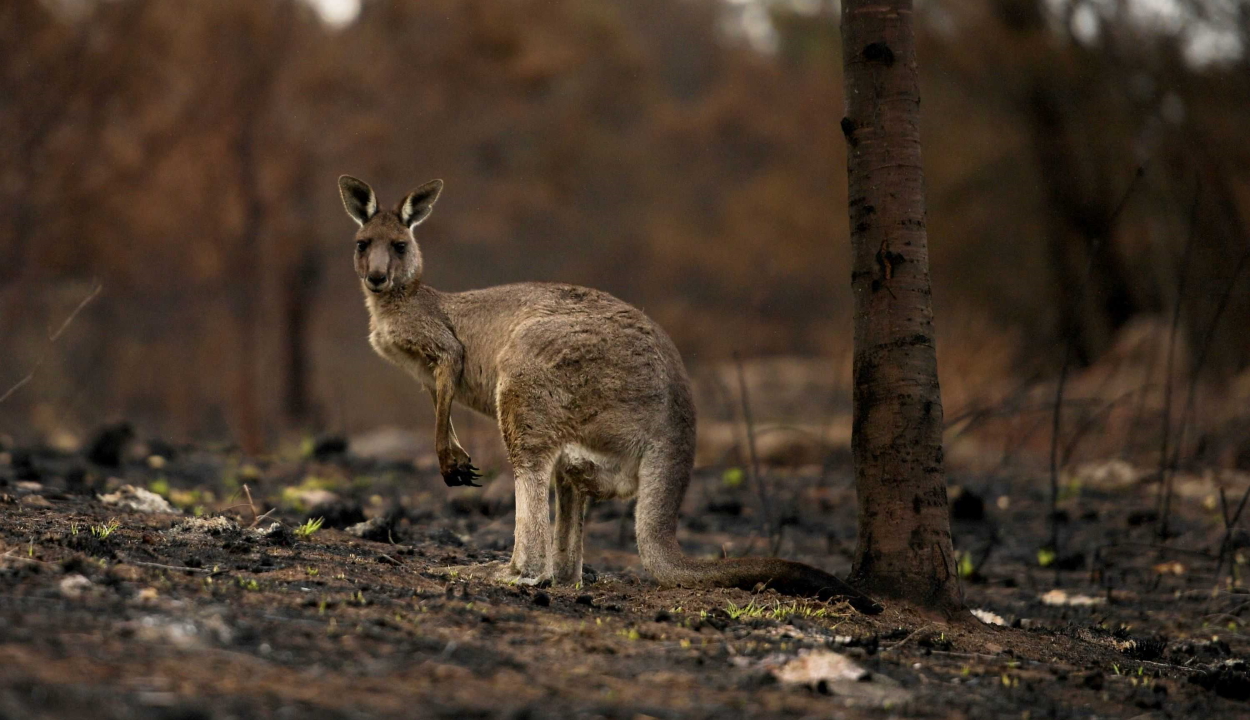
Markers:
<point>300,287</point>
<point>904,548</point>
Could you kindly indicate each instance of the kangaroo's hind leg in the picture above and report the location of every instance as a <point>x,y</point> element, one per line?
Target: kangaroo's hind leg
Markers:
<point>566,549</point>
<point>533,450</point>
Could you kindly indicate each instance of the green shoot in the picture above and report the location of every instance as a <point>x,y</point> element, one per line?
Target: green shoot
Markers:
<point>102,532</point>
<point>308,529</point>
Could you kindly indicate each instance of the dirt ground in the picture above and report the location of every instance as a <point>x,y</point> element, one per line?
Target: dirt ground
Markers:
<point>210,611</point>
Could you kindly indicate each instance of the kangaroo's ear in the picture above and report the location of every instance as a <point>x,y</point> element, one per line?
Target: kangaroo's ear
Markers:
<point>358,198</point>
<point>420,203</point>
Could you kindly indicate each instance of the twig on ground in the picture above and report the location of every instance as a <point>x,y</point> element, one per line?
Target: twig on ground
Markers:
<point>10,556</point>
<point>159,566</point>
<point>250,505</point>
<point>907,639</point>
<point>266,514</point>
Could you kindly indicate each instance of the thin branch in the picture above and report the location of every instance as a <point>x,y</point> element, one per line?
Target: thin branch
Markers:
<point>85,301</point>
<point>250,505</point>
<point>29,376</point>
<point>1091,420</point>
<point>159,566</point>
<point>1204,349</point>
<point>1056,422</point>
<point>1165,472</point>
<point>757,477</point>
<point>1230,522</point>
<point>52,338</point>
<point>905,640</point>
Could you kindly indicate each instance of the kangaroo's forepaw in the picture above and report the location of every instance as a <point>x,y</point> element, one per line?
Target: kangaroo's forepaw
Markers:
<point>458,471</point>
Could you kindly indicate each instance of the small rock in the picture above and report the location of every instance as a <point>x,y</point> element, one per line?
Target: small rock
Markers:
<point>24,466</point>
<point>444,536</point>
<point>73,586</point>
<point>125,573</point>
<point>38,501</point>
<point>590,576</point>
<point>988,617</point>
<point>377,529</point>
<point>338,514</point>
<point>1107,475</point>
<point>542,599</point>
<point>1228,679</point>
<point>586,600</point>
<point>129,497</point>
<point>329,447</point>
<point>967,506</point>
<point>311,498</point>
<point>276,533</point>
<point>725,504</point>
<point>388,443</point>
<point>215,526</point>
<point>817,666</point>
<point>110,443</point>
<point>1060,597</point>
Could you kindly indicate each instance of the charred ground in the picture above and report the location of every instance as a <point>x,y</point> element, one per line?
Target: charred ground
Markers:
<point>110,613</point>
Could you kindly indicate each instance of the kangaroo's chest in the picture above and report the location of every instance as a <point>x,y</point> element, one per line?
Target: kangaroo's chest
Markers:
<point>416,353</point>
<point>393,345</point>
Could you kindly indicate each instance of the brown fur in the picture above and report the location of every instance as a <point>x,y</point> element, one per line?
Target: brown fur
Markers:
<point>589,393</point>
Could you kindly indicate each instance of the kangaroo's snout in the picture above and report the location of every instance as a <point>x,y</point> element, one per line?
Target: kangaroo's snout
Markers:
<point>376,280</point>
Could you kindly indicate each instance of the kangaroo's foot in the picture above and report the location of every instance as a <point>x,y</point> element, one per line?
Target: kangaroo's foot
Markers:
<point>502,572</point>
<point>512,578</point>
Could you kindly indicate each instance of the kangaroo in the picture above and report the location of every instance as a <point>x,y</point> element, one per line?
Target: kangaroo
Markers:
<point>591,396</point>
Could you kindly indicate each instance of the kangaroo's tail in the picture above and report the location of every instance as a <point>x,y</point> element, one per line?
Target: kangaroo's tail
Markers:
<point>663,477</point>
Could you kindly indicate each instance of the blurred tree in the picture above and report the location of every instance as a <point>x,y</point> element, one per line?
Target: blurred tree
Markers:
<point>904,548</point>
<point>176,150</point>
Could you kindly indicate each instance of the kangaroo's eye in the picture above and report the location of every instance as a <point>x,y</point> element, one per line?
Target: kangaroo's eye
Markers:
<point>362,245</point>
<point>400,247</point>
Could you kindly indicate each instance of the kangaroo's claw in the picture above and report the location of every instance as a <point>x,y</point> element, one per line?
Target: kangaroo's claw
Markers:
<point>462,476</point>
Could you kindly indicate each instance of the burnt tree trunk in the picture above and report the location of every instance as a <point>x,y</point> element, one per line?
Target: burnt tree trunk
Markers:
<point>268,52</point>
<point>904,549</point>
<point>299,291</point>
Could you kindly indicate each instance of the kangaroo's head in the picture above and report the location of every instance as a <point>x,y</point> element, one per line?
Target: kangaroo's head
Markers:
<point>387,256</point>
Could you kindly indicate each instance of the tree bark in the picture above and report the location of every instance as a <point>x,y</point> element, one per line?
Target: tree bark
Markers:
<point>904,547</point>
